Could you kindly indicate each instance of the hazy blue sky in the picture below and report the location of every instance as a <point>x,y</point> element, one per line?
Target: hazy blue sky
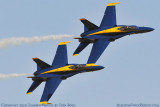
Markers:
<point>132,64</point>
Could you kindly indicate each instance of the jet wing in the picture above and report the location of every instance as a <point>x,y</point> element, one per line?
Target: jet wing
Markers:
<point>98,48</point>
<point>50,87</point>
<point>109,18</point>
<point>61,58</point>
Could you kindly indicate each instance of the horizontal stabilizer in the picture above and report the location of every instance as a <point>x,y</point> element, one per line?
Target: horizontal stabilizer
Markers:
<point>38,78</point>
<point>89,25</point>
<point>80,48</point>
<point>41,64</point>
<point>34,85</point>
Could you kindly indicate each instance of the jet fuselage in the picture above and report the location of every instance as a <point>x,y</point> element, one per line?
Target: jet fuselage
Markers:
<point>67,71</point>
<point>115,32</point>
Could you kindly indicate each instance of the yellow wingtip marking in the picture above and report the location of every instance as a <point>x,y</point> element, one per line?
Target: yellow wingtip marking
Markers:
<point>44,102</point>
<point>113,4</point>
<point>82,19</point>
<point>64,43</point>
<point>34,58</point>
<point>29,93</point>
<point>75,54</point>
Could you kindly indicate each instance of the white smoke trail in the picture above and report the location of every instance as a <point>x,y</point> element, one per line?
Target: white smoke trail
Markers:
<point>3,76</point>
<point>28,40</point>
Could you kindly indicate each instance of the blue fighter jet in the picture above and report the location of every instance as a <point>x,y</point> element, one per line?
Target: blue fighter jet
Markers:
<point>107,32</point>
<point>58,71</point>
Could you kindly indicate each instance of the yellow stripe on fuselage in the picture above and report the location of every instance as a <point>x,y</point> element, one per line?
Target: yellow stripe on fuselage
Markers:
<point>108,31</point>
<point>67,69</point>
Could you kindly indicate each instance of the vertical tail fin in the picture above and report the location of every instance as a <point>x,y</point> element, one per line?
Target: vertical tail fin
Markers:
<point>61,57</point>
<point>109,18</point>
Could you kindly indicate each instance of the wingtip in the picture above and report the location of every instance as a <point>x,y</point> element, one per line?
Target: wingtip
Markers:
<point>82,19</point>
<point>75,54</point>
<point>64,43</point>
<point>113,4</point>
<point>29,93</point>
<point>44,102</point>
<point>35,58</point>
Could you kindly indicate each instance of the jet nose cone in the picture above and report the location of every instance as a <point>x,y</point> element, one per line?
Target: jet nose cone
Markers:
<point>148,29</point>
<point>152,29</point>
<point>100,67</point>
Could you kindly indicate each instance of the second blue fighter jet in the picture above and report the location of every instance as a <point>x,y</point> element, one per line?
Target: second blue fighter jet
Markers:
<point>58,71</point>
<point>107,32</point>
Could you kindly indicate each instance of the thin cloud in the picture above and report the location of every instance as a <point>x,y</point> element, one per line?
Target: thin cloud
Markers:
<point>28,40</point>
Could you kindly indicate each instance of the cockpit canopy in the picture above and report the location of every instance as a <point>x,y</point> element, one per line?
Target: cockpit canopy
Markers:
<point>132,28</point>
<point>77,66</point>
